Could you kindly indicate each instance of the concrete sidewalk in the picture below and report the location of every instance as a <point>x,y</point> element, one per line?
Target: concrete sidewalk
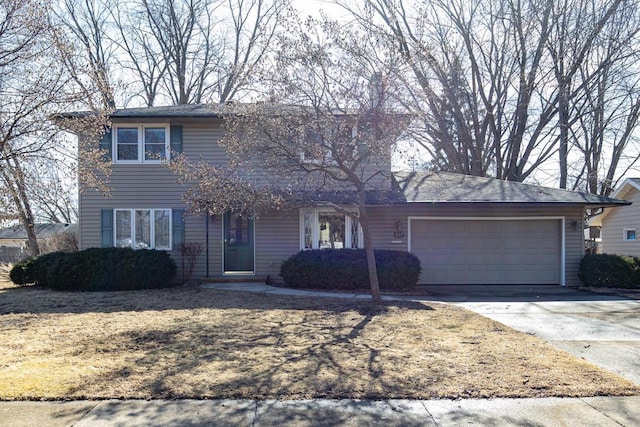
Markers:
<point>595,411</point>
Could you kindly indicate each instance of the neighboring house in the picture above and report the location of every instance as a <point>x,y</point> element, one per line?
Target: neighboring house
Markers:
<point>13,240</point>
<point>620,226</point>
<point>465,230</point>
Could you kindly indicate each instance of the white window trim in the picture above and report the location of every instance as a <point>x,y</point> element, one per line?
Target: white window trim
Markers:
<point>625,236</point>
<point>315,232</point>
<point>141,127</point>
<point>153,226</point>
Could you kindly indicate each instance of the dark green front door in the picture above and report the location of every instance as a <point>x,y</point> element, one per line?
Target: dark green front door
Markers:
<point>238,243</point>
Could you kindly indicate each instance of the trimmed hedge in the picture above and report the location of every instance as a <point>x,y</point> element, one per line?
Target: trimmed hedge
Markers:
<point>347,269</point>
<point>607,270</point>
<point>98,269</point>
<point>34,269</point>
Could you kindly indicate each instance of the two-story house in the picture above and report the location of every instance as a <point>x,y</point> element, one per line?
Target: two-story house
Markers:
<point>464,229</point>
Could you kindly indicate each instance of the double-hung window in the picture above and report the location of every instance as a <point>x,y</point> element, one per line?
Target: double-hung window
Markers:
<point>143,228</point>
<point>148,143</point>
<point>324,228</point>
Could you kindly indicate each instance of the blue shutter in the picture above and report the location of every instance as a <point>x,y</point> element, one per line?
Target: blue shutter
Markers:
<point>105,144</point>
<point>175,136</point>
<point>178,227</point>
<point>107,227</point>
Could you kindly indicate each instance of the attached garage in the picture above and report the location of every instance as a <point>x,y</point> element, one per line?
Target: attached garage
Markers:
<point>489,251</point>
<point>469,230</point>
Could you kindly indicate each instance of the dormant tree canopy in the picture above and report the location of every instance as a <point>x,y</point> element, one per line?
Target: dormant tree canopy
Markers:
<point>290,155</point>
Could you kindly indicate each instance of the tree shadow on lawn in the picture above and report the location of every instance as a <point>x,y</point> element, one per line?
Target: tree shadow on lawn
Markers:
<point>305,358</point>
<point>37,300</point>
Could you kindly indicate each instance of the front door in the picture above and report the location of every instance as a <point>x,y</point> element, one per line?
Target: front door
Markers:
<point>238,243</point>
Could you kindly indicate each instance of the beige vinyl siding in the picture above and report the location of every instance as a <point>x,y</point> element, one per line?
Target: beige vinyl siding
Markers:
<point>384,224</point>
<point>194,232</point>
<point>152,186</point>
<point>277,237</point>
<point>616,221</point>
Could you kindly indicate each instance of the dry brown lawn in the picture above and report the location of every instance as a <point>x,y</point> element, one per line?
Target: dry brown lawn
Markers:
<point>193,343</point>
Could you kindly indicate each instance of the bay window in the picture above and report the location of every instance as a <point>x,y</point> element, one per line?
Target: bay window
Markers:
<point>324,228</point>
<point>143,228</point>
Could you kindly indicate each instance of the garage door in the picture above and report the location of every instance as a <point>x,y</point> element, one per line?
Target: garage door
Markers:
<point>487,251</point>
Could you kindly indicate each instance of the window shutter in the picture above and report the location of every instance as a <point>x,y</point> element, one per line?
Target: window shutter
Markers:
<point>176,138</point>
<point>105,144</point>
<point>107,227</point>
<point>178,227</point>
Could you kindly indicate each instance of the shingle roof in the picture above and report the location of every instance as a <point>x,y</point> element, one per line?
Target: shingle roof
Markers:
<point>621,191</point>
<point>43,231</point>
<point>172,111</point>
<point>206,111</point>
<point>445,187</point>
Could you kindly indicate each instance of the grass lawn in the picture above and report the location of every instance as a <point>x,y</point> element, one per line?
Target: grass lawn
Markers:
<point>192,343</point>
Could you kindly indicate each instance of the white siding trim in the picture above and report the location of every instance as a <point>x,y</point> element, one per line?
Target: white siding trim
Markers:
<point>505,218</point>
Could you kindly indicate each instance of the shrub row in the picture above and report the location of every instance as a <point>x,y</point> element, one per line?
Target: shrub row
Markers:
<point>98,269</point>
<point>607,270</point>
<point>347,269</point>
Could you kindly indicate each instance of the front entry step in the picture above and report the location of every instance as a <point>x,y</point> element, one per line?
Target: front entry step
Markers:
<point>236,278</point>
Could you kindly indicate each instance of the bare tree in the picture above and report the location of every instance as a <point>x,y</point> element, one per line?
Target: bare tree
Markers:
<point>576,26</point>
<point>606,112</point>
<point>207,56</point>
<point>87,23</point>
<point>184,32</point>
<point>52,194</point>
<point>141,55</point>
<point>180,52</point>
<point>31,87</point>
<point>248,41</point>
<point>491,81</point>
<point>324,137</point>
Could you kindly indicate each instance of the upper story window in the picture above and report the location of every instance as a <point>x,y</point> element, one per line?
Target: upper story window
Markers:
<point>629,234</point>
<point>319,146</point>
<point>323,228</point>
<point>147,143</point>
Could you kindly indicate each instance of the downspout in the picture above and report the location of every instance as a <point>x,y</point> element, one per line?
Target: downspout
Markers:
<point>206,227</point>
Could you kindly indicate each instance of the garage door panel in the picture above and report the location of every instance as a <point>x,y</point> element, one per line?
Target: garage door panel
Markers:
<point>511,243</point>
<point>477,258</point>
<point>492,243</point>
<point>475,244</point>
<point>532,244</point>
<point>548,243</point>
<point>547,276</point>
<point>508,227</point>
<point>488,251</point>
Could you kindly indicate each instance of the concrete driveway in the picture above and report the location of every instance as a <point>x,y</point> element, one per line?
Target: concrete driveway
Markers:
<point>602,329</point>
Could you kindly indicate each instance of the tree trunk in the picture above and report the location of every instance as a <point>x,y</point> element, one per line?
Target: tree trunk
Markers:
<point>563,123</point>
<point>368,247</point>
<point>13,177</point>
